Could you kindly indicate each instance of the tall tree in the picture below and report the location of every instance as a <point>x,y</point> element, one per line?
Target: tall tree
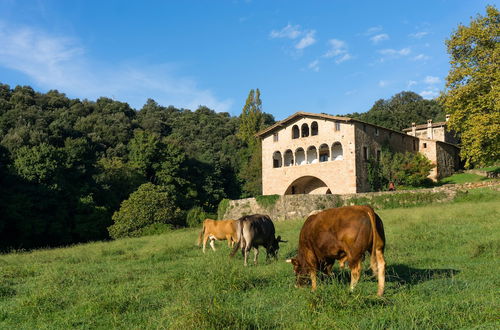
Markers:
<point>473,87</point>
<point>251,121</point>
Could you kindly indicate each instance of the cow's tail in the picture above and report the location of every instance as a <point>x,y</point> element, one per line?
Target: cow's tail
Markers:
<point>239,232</point>
<point>377,260</point>
<point>200,237</point>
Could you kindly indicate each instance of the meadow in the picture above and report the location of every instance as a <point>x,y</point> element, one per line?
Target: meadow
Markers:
<point>443,270</point>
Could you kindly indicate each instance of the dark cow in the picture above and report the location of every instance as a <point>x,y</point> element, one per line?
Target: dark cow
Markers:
<point>254,231</point>
<point>343,234</point>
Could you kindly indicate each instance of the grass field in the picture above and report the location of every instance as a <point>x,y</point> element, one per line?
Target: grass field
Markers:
<point>460,178</point>
<point>443,271</point>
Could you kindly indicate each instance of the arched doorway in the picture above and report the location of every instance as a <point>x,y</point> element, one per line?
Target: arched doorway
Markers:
<point>307,185</point>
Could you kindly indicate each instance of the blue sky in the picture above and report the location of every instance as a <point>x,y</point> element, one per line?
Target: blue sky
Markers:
<point>315,56</point>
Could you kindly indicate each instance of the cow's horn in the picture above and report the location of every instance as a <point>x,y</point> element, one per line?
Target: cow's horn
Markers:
<point>289,261</point>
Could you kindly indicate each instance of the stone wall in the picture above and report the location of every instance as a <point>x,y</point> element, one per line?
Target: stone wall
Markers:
<point>300,206</point>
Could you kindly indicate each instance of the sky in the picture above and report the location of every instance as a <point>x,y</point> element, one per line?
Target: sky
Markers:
<point>333,57</point>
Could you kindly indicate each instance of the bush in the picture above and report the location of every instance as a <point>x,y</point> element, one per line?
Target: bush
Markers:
<point>267,201</point>
<point>149,204</point>
<point>221,210</point>
<point>195,216</point>
<point>408,169</point>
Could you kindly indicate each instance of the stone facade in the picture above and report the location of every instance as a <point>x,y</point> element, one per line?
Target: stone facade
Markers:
<point>432,131</point>
<point>310,153</point>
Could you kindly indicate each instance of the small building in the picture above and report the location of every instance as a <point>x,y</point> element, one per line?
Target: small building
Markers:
<point>309,153</point>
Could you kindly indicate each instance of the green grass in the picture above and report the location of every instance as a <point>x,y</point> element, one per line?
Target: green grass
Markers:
<point>442,272</point>
<point>494,168</point>
<point>462,178</point>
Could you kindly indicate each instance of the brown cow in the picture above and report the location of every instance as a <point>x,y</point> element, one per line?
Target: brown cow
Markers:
<point>343,234</point>
<point>218,230</point>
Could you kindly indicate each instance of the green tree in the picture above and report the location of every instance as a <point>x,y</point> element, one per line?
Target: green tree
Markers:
<point>251,118</point>
<point>401,110</point>
<point>251,122</point>
<point>473,88</point>
<point>149,205</point>
<point>407,169</point>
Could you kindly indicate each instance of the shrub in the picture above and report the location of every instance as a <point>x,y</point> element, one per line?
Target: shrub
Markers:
<point>195,216</point>
<point>408,169</point>
<point>149,204</point>
<point>267,201</point>
<point>221,210</point>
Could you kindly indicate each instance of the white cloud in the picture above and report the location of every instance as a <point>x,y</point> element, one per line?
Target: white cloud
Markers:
<point>314,65</point>
<point>293,32</point>
<point>373,30</point>
<point>395,52</point>
<point>420,57</point>
<point>55,62</point>
<point>307,40</point>
<point>344,58</point>
<point>379,37</point>
<point>338,50</point>
<point>432,80</point>
<point>429,94</point>
<point>418,35</point>
<point>383,83</point>
<point>289,31</point>
<point>411,83</point>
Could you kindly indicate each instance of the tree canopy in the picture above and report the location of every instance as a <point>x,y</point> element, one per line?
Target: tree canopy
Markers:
<point>68,165</point>
<point>401,110</point>
<point>473,87</point>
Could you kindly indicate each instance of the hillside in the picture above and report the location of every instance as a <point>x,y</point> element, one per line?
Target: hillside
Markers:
<point>442,273</point>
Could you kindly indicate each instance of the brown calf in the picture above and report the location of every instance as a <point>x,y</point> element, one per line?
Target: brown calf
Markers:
<point>218,230</point>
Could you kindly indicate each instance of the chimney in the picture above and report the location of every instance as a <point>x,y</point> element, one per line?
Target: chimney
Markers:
<point>413,129</point>
<point>447,117</point>
<point>429,129</point>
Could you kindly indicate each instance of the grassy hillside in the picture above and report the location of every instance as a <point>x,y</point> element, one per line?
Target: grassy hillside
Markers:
<point>443,272</point>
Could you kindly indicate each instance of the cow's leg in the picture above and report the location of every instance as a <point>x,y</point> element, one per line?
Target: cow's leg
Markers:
<point>312,274</point>
<point>373,263</point>
<point>212,242</point>
<point>256,254</point>
<point>228,238</point>
<point>381,272</point>
<point>205,238</point>
<point>245,252</point>
<point>328,269</point>
<point>355,266</point>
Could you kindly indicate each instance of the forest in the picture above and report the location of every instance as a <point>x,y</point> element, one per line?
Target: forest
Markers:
<point>77,170</point>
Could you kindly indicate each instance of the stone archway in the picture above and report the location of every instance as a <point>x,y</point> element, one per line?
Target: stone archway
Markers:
<point>307,185</point>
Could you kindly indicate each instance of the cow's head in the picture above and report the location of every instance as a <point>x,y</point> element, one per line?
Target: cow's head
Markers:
<point>301,273</point>
<point>272,251</point>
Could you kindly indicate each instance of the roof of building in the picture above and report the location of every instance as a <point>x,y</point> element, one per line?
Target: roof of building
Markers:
<point>300,114</point>
<point>424,126</point>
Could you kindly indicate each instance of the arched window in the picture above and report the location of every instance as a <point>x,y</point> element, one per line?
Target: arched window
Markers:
<point>337,153</point>
<point>324,153</point>
<point>312,155</point>
<point>295,132</point>
<point>277,162</point>
<point>305,130</point>
<point>288,158</point>
<point>300,157</point>
<point>314,128</point>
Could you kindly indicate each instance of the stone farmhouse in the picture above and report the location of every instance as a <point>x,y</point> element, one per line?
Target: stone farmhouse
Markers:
<point>310,153</point>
